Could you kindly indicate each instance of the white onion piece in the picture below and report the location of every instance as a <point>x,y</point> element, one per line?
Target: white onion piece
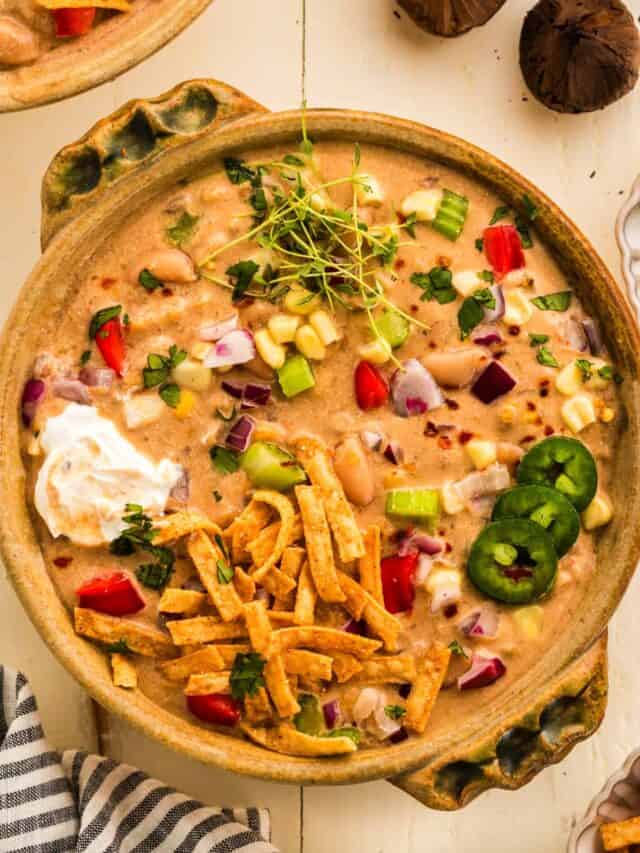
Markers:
<point>414,390</point>
<point>71,389</point>
<point>215,331</point>
<point>371,439</point>
<point>236,347</point>
<point>576,336</point>
<point>97,377</point>
<point>385,725</point>
<point>366,704</point>
<point>180,492</point>
<point>482,505</point>
<point>482,623</point>
<point>493,479</point>
<point>492,315</point>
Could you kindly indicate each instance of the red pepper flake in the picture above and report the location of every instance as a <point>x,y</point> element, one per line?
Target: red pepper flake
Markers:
<point>106,283</point>
<point>414,309</point>
<point>245,302</point>
<point>531,406</point>
<point>544,392</point>
<point>399,264</point>
<point>450,611</point>
<point>514,331</point>
<point>62,562</point>
<point>465,437</point>
<point>498,355</point>
<point>166,291</point>
<point>431,429</point>
<point>544,383</point>
<point>433,345</point>
<point>443,261</point>
<point>444,442</point>
<point>441,532</point>
<point>451,404</point>
<point>549,430</point>
<point>448,547</point>
<point>527,439</point>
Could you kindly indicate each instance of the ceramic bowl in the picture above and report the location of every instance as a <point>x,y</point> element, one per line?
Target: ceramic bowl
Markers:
<point>144,149</point>
<point>111,48</point>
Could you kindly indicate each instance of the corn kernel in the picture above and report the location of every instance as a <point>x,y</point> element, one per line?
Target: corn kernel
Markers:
<point>191,374</point>
<point>377,352</point>
<point>518,308</point>
<point>508,413</point>
<point>324,327</point>
<point>423,203</point>
<point>607,415</point>
<point>186,403</point>
<point>283,327</point>
<point>443,577</point>
<point>200,349</point>
<point>309,344</point>
<point>569,380</point>
<point>369,190</point>
<point>598,513</point>
<point>518,277</point>
<point>299,300</point>
<point>481,453</point>
<point>529,621</point>
<point>272,353</point>
<point>578,412</point>
<point>466,281</point>
<point>450,499</point>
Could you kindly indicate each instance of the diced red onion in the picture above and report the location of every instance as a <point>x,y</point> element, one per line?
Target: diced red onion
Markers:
<point>180,492</point>
<point>31,396</point>
<point>355,626</point>
<point>215,331</point>
<point>482,672</point>
<point>236,347</point>
<point>331,711</point>
<point>394,453</point>
<point>251,395</point>
<point>492,315</point>
<point>481,623</point>
<point>487,338</point>
<point>576,336</point>
<point>371,439</point>
<point>416,541</point>
<point>493,479</point>
<point>71,389</point>
<point>414,390</point>
<point>592,331</point>
<point>239,436</point>
<point>97,377</point>
<point>399,736</point>
<point>494,381</point>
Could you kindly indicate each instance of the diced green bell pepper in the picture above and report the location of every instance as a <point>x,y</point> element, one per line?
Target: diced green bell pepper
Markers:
<point>270,467</point>
<point>416,504</point>
<point>296,376</point>
<point>393,327</point>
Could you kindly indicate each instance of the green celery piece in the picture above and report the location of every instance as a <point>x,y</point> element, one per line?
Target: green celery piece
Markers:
<point>270,467</point>
<point>451,215</point>
<point>419,504</point>
<point>295,376</point>
<point>393,327</point>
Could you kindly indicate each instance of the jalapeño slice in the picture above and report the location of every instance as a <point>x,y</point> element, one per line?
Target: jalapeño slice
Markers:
<point>547,507</point>
<point>513,560</point>
<point>564,464</point>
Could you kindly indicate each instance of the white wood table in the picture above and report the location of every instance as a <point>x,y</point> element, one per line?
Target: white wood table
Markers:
<point>360,55</point>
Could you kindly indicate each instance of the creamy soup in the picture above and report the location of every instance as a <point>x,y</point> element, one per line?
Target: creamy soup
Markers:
<point>318,449</point>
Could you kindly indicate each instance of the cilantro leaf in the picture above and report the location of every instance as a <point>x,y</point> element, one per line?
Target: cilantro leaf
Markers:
<point>535,339</point>
<point>585,367</point>
<point>351,732</point>
<point>160,366</point>
<point>456,649</point>
<point>499,213</point>
<point>120,647</point>
<point>154,575</point>
<point>246,675</point>
<point>292,160</point>
<point>101,317</point>
<point>479,244</point>
<point>225,461</point>
<point>553,301</point>
<point>395,712</point>
<point>243,272</point>
<point>149,281</point>
<point>237,170</point>
<point>170,393</point>
<point>530,207</point>
<point>184,229</point>
<point>485,297</point>
<point>470,315</point>
<point>139,534</point>
<point>546,357</point>
<point>85,357</point>
<point>410,223</point>
<point>225,572</point>
<point>486,275</point>
<point>606,372</point>
<point>436,284</point>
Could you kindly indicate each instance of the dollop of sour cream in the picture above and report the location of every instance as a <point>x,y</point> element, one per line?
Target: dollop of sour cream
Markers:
<point>89,475</point>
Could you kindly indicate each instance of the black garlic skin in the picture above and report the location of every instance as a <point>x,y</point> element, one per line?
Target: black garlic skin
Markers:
<point>450,17</point>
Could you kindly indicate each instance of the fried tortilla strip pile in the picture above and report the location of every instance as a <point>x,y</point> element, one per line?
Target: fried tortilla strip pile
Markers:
<point>362,605</point>
<point>619,835</point>
<point>291,563</point>
<point>318,465</point>
<point>308,664</point>
<point>284,508</point>
<point>244,584</point>
<point>208,559</point>
<point>278,686</point>
<point>284,738</point>
<point>208,682</point>
<point>306,596</point>
<point>345,666</point>
<point>264,543</point>
<point>388,670</point>
<point>318,542</point>
<point>244,529</point>
<point>369,564</point>
<point>204,629</point>
<point>124,672</point>
<point>186,602</point>
<point>206,659</point>
<point>258,626</point>
<point>258,708</point>
<point>139,638</point>
<point>326,640</point>
<point>424,690</point>
<point>228,652</point>
<point>182,524</point>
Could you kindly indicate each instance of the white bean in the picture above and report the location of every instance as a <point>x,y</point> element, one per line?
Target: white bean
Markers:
<point>168,265</point>
<point>455,368</point>
<point>354,471</point>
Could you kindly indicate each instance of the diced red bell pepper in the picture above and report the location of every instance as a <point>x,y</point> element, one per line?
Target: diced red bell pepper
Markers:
<point>398,582</point>
<point>503,248</point>
<point>110,341</point>
<point>114,594</point>
<point>73,22</point>
<point>215,708</point>
<point>372,390</point>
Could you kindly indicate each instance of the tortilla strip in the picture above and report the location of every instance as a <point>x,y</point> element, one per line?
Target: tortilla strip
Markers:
<point>264,543</point>
<point>244,584</point>
<point>207,682</point>
<point>277,684</point>
<point>141,639</point>
<point>206,659</point>
<point>345,667</point>
<point>246,527</point>
<point>187,602</point>
<point>424,691</point>
<point>282,617</point>
<point>284,508</point>
<point>206,556</point>
<point>318,465</point>
<point>327,640</point>
<point>621,833</point>
<point>382,623</point>
<point>182,524</point>
<point>389,670</point>
<point>290,566</point>
<point>278,584</point>
<point>258,626</point>
<point>369,564</point>
<point>311,664</point>
<point>204,629</point>
<point>318,541</point>
<point>284,738</point>
<point>306,597</point>
<point>228,652</point>
<point>123,671</point>
<point>258,708</point>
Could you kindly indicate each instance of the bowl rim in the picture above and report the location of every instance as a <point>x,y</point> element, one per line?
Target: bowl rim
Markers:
<point>18,543</point>
<point>103,54</point>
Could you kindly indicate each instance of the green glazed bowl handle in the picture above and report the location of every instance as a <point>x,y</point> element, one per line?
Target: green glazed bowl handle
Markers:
<point>129,139</point>
<point>510,756</point>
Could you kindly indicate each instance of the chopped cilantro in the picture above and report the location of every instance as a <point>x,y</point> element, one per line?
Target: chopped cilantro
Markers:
<point>120,647</point>
<point>546,357</point>
<point>139,534</point>
<point>471,313</point>
<point>486,275</point>
<point>149,281</point>
<point>160,366</point>
<point>183,230</point>
<point>535,339</point>
<point>293,160</point>
<point>243,272</point>
<point>530,207</point>
<point>246,675</point>
<point>84,358</point>
<point>225,461</point>
<point>170,393</point>
<point>485,297</point>
<point>522,227</point>
<point>394,712</point>
<point>479,244</point>
<point>585,367</point>
<point>499,213</point>
<point>386,250</point>
<point>409,224</point>
<point>456,649</point>
<point>436,284</point>
<point>237,170</point>
<point>154,575</point>
<point>101,317</point>
<point>553,301</point>
<point>351,732</point>
<point>606,372</point>
<point>225,572</point>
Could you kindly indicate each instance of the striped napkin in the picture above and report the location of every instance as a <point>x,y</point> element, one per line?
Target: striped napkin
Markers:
<point>52,803</point>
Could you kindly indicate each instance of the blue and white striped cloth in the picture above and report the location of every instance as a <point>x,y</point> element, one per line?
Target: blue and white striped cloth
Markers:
<point>52,803</point>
